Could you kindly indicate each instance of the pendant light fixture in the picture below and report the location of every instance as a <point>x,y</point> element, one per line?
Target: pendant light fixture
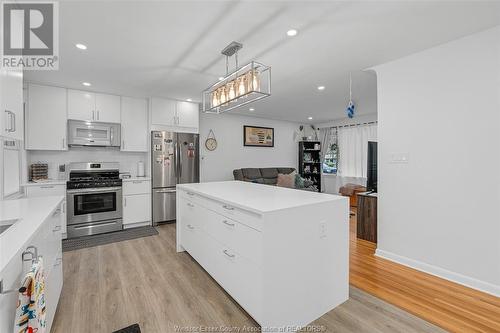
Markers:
<point>244,85</point>
<point>350,106</point>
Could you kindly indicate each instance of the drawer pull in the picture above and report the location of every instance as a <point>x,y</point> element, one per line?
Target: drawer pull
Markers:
<point>228,207</point>
<point>227,223</point>
<point>229,255</point>
<point>190,226</point>
<point>137,181</point>
<point>190,204</point>
<point>190,193</point>
<point>57,228</point>
<point>47,186</point>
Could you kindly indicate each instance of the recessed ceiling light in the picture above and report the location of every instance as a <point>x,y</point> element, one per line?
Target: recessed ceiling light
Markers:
<point>86,84</point>
<point>251,109</point>
<point>81,46</point>
<point>221,78</point>
<point>321,87</point>
<point>310,118</point>
<point>292,32</point>
<point>189,100</point>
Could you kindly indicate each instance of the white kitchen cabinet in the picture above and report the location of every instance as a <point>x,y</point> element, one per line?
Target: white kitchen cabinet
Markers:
<point>11,104</point>
<point>46,118</point>
<point>134,120</point>
<point>187,114</point>
<point>107,108</point>
<point>136,202</point>
<point>175,115</point>
<point>81,105</point>
<point>43,190</point>
<point>163,111</point>
<point>84,105</point>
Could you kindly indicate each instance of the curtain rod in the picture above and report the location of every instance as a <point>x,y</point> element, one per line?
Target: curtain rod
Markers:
<point>352,125</point>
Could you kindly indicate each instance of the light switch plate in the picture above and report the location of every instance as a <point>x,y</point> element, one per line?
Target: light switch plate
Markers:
<point>322,229</point>
<point>399,158</point>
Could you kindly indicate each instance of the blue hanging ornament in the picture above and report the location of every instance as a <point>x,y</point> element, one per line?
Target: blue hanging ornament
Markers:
<point>350,106</point>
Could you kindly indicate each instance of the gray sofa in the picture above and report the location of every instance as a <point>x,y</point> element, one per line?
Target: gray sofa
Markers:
<point>260,175</point>
<point>267,176</point>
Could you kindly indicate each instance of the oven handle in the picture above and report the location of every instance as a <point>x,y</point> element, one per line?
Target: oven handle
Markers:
<point>95,190</point>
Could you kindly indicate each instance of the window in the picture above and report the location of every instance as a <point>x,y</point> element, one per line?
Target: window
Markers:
<point>330,162</point>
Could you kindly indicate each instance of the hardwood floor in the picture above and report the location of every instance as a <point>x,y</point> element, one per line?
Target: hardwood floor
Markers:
<point>145,281</point>
<point>451,306</point>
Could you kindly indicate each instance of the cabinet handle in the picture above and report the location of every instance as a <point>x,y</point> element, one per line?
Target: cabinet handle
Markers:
<point>227,223</point>
<point>64,143</point>
<point>57,228</point>
<point>123,144</point>
<point>190,194</point>
<point>190,226</point>
<point>47,186</point>
<point>13,122</point>
<point>11,127</point>
<point>97,114</point>
<point>58,262</point>
<point>229,255</point>
<point>125,201</point>
<point>137,181</point>
<point>228,207</point>
<point>93,118</point>
<point>190,204</point>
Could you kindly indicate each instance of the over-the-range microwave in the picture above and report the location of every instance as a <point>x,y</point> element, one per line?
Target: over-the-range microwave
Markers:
<point>87,133</point>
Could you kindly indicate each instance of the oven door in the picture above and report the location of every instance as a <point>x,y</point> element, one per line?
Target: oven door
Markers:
<point>92,205</point>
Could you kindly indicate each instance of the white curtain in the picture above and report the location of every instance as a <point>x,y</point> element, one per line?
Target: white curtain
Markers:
<point>353,148</point>
<point>327,137</point>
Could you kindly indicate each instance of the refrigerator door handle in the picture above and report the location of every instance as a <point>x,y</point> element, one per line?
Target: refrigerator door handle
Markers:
<point>180,161</point>
<point>176,160</point>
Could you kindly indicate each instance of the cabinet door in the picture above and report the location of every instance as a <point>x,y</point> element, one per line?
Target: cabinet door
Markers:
<point>107,108</point>
<point>11,101</point>
<point>46,118</point>
<point>136,208</point>
<point>134,120</point>
<point>188,114</point>
<point>81,105</point>
<point>163,111</point>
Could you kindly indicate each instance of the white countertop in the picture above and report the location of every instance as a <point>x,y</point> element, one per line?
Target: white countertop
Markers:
<point>46,182</point>
<point>258,198</point>
<point>31,212</point>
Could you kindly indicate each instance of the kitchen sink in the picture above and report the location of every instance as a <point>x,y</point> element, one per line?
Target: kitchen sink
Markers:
<point>5,224</point>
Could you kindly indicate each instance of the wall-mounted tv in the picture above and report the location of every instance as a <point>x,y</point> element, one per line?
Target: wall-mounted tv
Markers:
<point>371,182</point>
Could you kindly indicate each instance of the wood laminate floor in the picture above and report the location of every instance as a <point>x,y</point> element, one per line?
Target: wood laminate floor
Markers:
<point>145,281</point>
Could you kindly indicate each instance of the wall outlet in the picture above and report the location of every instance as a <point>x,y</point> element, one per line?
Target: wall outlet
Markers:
<point>322,229</point>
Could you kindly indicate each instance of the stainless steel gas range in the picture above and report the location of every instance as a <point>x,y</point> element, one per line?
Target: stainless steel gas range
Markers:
<point>94,199</point>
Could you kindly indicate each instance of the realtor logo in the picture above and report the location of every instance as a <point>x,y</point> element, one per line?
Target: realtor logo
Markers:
<point>30,35</point>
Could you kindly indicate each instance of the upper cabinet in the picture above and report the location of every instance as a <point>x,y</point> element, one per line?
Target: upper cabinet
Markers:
<point>84,105</point>
<point>175,115</point>
<point>46,118</point>
<point>163,112</point>
<point>134,120</point>
<point>11,104</point>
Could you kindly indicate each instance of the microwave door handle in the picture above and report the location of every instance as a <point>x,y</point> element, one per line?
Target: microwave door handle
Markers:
<point>111,134</point>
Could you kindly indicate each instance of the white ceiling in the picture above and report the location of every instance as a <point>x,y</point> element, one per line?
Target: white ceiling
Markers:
<point>172,49</point>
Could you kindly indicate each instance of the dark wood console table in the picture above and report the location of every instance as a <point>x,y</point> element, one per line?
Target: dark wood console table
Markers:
<point>367,217</point>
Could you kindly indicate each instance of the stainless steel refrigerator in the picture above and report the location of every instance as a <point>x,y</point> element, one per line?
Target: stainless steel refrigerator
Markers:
<point>175,159</point>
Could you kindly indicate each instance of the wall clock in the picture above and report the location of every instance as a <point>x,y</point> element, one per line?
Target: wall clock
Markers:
<point>211,142</point>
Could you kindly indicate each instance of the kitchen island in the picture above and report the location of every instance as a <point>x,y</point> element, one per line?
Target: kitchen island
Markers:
<point>282,254</point>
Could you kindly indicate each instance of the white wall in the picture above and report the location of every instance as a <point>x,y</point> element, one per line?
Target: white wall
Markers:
<point>440,211</point>
<point>128,161</point>
<point>231,154</point>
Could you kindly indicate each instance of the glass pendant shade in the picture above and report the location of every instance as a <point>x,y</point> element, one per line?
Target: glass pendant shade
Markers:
<point>252,81</point>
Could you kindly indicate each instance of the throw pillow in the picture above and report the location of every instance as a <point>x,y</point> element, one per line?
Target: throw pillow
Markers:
<point>299,181</point>
<point>286,180</point>
<point>308,182</point>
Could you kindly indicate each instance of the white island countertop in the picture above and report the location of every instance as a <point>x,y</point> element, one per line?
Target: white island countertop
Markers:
<point>30,213</point>
<point>258,198</point>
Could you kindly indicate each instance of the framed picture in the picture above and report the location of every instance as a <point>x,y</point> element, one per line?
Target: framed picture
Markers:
<point>255,136</point>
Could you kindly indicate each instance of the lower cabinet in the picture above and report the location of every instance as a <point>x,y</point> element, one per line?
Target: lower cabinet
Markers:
<point>41,190</point>
<point>136,203</point>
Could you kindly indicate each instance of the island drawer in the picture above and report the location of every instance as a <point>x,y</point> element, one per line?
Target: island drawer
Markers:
<point>248,218</point>
<point>231,233</point>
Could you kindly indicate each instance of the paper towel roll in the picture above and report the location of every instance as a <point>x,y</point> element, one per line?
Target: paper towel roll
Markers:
<point>140,169</point>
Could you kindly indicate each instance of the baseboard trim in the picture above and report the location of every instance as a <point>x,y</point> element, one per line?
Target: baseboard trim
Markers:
<point>442,273</point>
